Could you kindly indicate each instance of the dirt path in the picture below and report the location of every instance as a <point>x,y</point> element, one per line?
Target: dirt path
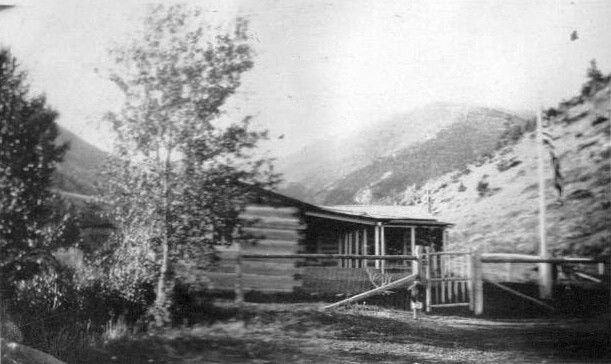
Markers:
<point>282,333</point>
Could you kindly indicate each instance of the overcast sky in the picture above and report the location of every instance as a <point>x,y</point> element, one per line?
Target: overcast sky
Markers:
<point>330,67</point>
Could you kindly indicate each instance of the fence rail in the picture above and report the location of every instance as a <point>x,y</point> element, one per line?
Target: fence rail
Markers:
<point>518,258</point>
<point>451,278</point>
<point>328,256</point>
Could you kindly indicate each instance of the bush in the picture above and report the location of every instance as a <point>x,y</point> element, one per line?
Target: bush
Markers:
<point>483,187</point>
<point>462,187</point>
<point>61,313</point>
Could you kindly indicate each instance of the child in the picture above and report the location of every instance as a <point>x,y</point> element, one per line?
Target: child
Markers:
<point>416,295</point>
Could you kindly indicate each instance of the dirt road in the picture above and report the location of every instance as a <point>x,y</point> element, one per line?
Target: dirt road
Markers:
<point>302,333</point>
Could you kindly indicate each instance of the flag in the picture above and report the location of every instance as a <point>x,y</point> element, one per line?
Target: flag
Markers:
<point>548,141</point>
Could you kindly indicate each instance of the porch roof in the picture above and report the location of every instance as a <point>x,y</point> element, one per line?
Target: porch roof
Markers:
<point>399,215</point>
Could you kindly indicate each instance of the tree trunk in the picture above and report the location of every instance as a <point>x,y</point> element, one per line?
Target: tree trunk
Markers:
<point>161,299</point>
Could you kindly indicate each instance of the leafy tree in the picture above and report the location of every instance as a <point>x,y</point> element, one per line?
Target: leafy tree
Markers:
<point>30,227</point>
<point>594,73</point>
<point>180,174</point>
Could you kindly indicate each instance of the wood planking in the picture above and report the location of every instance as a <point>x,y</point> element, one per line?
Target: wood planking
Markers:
<point>278,230</point>
<point>263,283</point>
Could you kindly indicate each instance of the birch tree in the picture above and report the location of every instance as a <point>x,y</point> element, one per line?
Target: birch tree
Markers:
<point>179,173</point>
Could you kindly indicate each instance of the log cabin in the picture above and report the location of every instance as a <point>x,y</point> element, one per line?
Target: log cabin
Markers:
<point>278,224</point>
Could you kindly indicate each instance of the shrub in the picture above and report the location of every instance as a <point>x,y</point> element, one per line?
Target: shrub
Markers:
<point>483,187</point>
<point>462,187</point>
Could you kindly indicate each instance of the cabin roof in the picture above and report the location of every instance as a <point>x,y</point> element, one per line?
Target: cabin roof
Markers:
<point>382,212</point>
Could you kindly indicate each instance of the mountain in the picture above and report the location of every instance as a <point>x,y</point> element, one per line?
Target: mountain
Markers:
<point>336,169</point>
<point>494,203</point>
<point>78,172</point>
<point>479,169</point>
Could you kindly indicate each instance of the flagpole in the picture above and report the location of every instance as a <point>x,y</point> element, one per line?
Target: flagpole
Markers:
<point>545,269</point>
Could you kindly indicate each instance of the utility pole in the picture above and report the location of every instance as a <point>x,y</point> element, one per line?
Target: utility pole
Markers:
<point>545,269</point>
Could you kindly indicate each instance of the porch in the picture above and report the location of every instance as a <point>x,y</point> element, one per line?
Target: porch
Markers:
<point>379,232</point>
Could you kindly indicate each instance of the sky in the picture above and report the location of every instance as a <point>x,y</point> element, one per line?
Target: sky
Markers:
<point>329,67</point>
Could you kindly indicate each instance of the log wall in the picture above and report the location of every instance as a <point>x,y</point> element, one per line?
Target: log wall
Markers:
<point>274,230</point>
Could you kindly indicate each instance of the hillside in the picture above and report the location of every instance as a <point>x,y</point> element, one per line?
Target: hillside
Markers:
<point>501,215</point>
<point>330,164</point>
<point>78,171</point>
<point>479,133</point>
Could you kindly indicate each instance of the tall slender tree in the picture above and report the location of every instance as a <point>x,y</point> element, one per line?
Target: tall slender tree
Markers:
<point>28,156</point>
<point>179,171</point>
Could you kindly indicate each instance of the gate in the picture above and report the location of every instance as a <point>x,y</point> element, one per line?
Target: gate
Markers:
<point>447,276</point>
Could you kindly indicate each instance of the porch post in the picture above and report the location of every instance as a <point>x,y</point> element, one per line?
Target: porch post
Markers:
<point>339,249</point>
<point>357,249</point>
<point>413,242</point>
<point>382,246</point>
<point>377,244</point>
<point>365,247</point>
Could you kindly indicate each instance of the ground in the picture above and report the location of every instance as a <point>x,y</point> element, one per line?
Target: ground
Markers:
<point>304,333</point>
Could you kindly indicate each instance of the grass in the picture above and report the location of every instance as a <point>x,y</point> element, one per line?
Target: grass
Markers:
<point>302,333</point>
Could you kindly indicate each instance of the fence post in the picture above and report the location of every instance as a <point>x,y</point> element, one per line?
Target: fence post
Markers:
<point>239,291</point>
<point>427,273</point>
<point>476,301</point>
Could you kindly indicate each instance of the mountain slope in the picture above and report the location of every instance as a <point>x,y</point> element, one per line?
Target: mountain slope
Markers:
<point>479,133</point>
<point>316,169</point>
<point>494,202</point>
<point>78,171</point>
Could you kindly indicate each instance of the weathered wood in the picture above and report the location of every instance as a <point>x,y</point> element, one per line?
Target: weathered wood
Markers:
<point>264,210</point>
<point>477,283</point>
<point>273,234</point>
<point>239,291</point>
<point>457,304</point>
<point>522,258</point>
<point>429,284</point>
<point>327,256</point>
<point>226,281</point>
<point>382,246</point>
<point>413,244</point>
<point>365,247</point>
<point>276,224</point>
<point>588,277</point>
<point>375,291</point>
<point>377,245</point>
<point>520,294</point>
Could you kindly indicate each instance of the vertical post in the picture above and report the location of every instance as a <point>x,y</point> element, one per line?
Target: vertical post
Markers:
<point>477,283</point>
<point>382,246</point>
<point>545,269</point>
<point>239,291</point>
<point>508,271</point>
<point>601,269</point>
<point>340,250</point>
<point>413,243</point>
<point>357,247</point>
<point>404,249</point>
<point>377,244</point>
<point>418,255</point>
<point>365,247</point>
<point>350,248</point>
<point>427,274</point>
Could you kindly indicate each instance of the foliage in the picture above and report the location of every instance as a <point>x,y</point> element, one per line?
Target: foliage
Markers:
<point>61,311</point>
<point>595,80</point>
<point>29,227</point>
<point>180,175</point>
<point>483,187</point>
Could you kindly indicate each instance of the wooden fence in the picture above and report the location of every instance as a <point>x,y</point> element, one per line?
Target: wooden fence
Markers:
<point>450,278</point>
